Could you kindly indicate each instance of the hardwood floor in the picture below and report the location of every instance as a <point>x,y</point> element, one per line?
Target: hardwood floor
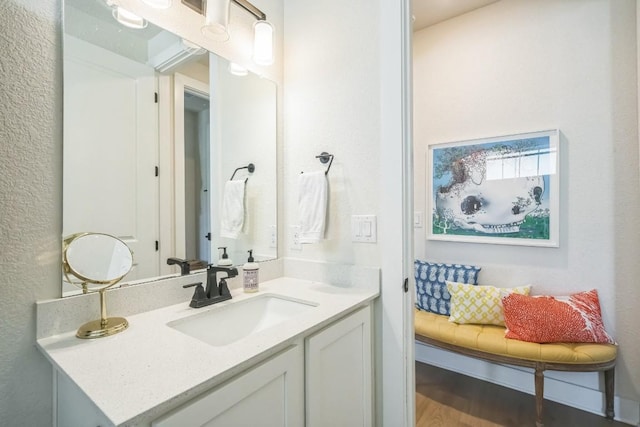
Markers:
<point>449,399</point>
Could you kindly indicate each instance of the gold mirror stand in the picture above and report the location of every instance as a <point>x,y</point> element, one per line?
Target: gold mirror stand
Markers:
<point>106,325</point>
<point>76,263</point>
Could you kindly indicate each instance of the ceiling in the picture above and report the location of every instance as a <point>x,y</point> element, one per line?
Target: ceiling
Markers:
<point>430,12</point>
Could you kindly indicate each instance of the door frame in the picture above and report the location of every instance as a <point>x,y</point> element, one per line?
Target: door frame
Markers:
<point>171,163</point>
<point>396,383</point>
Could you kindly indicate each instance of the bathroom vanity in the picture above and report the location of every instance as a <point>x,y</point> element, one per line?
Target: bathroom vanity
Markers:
<point>297,353</point>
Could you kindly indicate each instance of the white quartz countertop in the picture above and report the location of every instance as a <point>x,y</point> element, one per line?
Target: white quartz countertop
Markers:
<point>135,376</point>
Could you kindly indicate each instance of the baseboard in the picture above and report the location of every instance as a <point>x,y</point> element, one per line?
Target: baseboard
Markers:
<point>581,392</point>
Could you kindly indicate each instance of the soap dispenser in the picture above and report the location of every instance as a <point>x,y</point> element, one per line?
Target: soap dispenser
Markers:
<point>224,259</point>
<point>250,274</point>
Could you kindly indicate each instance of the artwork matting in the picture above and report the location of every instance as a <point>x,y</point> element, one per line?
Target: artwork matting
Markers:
<point>500,190</point>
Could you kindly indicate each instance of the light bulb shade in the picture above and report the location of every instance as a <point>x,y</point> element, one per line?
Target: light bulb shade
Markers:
<point>263,43</point>
<point>217,20</point>
<point>129,19</point>
<point>237,69</point>
<point>158,4</point>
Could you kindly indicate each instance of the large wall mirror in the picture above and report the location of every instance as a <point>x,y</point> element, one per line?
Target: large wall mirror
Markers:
<point>154,127</point>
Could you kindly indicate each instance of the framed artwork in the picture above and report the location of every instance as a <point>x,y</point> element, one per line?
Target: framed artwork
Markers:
<point>501,190</point>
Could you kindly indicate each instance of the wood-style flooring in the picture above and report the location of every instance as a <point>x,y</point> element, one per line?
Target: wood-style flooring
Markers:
<point>449,399</point>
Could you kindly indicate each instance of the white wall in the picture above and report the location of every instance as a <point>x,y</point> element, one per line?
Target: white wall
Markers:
<point>519,66</point>
<point>30,200</point>
<point>343,94</point>
<point>331,104</point>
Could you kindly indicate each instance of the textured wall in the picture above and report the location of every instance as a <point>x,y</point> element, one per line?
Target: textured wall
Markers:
<point>523,66</point>
<point>30,200</point>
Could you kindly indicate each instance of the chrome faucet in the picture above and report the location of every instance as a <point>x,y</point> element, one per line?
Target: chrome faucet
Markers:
<point>214,292</point>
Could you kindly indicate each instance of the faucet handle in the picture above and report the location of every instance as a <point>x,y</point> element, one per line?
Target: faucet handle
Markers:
<point>199,295</point>
<point>190,285</point>
<point>223,289</point>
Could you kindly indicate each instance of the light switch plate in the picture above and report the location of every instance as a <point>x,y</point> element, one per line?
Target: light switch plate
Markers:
<point>273,237</point>
<point>417,219</point>
<point>295,238</point>
<point>364,228</point>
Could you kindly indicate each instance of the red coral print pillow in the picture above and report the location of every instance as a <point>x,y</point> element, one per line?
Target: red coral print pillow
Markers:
<point>542,319</point>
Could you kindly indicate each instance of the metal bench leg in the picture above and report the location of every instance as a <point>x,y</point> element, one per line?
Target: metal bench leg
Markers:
<point>539,385</point>
<point>609,383</point>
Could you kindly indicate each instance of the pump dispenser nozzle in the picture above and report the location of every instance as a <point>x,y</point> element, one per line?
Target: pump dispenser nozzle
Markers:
<point>224,259</point>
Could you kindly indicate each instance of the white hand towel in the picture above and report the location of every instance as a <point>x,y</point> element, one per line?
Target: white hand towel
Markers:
<point>232,218</point>
<point>312,204</point>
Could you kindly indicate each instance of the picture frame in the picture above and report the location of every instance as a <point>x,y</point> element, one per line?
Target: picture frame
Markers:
<point>499,190</point>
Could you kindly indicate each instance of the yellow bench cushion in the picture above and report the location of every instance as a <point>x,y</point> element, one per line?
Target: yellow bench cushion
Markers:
<point>490,339</point>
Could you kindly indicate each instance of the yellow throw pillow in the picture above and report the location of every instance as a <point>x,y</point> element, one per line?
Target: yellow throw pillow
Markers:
<point>479,304</point>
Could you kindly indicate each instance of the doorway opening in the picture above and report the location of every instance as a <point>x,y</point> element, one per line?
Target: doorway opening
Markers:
<point>197,176</point>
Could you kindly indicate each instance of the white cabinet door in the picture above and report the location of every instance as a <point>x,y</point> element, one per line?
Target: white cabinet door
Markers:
<point>269,395</point>
<point>339,373</point>
<point>73,408</point>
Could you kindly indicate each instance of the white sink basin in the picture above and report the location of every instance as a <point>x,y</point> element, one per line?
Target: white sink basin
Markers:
<point>226,324</point>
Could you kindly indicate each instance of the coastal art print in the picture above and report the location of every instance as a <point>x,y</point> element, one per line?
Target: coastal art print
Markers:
<point>495,190</point>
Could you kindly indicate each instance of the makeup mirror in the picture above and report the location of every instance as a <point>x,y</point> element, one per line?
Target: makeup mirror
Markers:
<point>154,126</point>
<point>95,262</point>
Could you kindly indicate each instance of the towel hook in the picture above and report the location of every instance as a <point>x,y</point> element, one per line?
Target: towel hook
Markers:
<point>250,167</point>
<point>325,158</point>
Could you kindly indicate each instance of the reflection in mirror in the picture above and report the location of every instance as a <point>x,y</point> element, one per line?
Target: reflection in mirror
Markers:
<point>161,191</point>
<point>95,259</point>
<point>96,262</point>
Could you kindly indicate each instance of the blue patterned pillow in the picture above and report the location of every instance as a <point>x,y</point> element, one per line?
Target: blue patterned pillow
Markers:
<point>431,288</point>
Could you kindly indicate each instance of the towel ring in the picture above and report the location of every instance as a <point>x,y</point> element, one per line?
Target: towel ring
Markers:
<point>324,158</point>
<point>250,167</point>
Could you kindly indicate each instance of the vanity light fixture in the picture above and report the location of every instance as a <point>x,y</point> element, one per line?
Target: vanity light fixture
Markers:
<point>237,69</point>
<point>129,19</point>
<point>262,34</point>
<point>158,4</point>
<point>216,20</point>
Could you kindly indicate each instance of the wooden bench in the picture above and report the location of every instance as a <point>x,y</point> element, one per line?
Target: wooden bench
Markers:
<point>487,342</point>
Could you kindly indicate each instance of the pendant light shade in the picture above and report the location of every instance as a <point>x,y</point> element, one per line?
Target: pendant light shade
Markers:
<point>217,20</point>
<point>158,4</point>
<point>263,43</point>
<point>129,19</point>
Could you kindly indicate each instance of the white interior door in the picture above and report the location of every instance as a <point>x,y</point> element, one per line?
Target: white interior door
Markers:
<point>110,150</point>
